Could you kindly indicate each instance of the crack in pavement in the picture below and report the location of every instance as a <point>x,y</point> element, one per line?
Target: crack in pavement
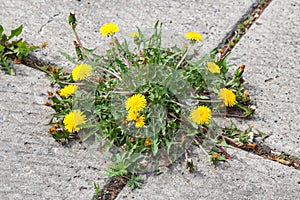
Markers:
<point>227,44</point>
<point>230,34</point>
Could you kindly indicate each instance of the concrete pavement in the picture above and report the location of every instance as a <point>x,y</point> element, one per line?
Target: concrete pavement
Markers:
<point>35,167</point>
<point>247,176</point>
<point>46,20</point>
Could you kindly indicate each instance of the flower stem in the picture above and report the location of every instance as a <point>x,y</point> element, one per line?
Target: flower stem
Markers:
<point>112,73</point>
<point>79,43</point>
<point>84,52</point>
<point>200,146</point>
<point>183,57</point>
<point>241,107</point>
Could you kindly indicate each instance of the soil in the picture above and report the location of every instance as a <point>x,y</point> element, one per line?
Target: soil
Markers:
<point>111,189</point>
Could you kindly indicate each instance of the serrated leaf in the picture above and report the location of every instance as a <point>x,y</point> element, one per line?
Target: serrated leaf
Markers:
<point>16,32</point>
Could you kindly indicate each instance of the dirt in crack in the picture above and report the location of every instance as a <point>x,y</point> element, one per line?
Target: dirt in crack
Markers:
<point>242,27</point>
<point>111,189</point>
<point>34,62</point>
<point>266,152</point>
<point>257,147</point>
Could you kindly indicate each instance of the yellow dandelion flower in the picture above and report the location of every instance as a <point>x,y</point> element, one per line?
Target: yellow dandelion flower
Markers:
<point>109,29</point>
<point>81,71</point>
<point>201,115</point>
<point>132,115</point>
<point>148,142</point>
<point>193,36</point>
<point>140,121</point>
<point>136,103</point>
<point>67,90</point>
<point>134,35</point>
<point>73,120</point>
<point>213,68</point>
<point>228,97</point>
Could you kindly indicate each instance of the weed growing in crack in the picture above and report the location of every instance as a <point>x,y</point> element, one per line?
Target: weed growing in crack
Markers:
<point>147,105</point>
<point>97,189</point>
<point>14,50</point>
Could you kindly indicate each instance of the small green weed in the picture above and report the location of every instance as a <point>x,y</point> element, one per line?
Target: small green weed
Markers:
<point>97,189</point>
<point>135,182</point>
<point>14,50</point>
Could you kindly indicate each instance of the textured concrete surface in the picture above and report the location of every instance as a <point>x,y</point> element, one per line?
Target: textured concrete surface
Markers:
<point>46,20</point>
<point>245,177</point>
<point>33,165</point>
<point>270,51</point>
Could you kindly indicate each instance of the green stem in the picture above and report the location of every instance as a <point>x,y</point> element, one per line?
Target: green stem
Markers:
<point>183,57</point>
<point>241,107</point>
<point>84,52</point>
<point>248,111</point>
<point>80,44</point>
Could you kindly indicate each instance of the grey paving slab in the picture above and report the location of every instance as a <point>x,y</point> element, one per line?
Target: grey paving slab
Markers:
<point>270,51</point>
<point>46,20</point>
<point>247,176</point>
<point>33,165</point>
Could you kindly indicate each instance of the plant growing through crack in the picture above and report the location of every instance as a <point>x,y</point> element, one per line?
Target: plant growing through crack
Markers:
<point>13,50</point>
<point>147,105</point>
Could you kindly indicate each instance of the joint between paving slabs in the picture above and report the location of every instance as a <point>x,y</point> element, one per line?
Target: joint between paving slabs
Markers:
<point>242,26</point>
<point>261,149</point>
<point>38,64</point>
